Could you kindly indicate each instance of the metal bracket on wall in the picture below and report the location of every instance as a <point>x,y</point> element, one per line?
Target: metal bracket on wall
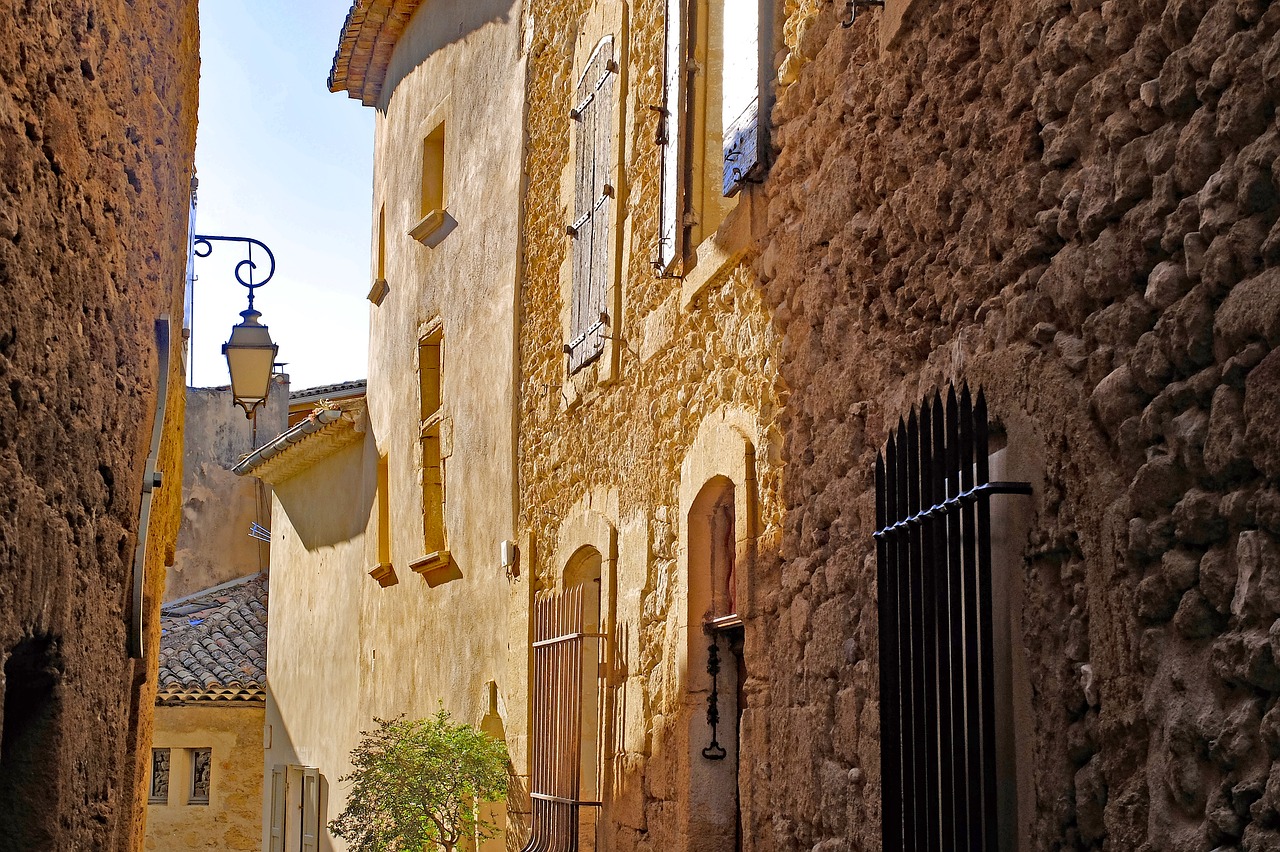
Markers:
<point>151,480</point>
<point>852,7</point>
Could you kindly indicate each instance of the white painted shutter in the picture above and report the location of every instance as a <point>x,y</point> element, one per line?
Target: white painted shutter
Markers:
<point>671,137</point>
<point>278,803</point>
<point>310,810</point>
<point>740,104</point>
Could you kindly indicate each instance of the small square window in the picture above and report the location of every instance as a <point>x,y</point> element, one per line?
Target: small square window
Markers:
<point>201,775</point>
<point>159,793</point>
<point>432,210</point>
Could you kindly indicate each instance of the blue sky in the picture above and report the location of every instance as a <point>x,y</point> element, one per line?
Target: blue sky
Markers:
<point>282,159</point>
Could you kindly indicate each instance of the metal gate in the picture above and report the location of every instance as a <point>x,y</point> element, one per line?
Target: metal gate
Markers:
<point>560,640</point>
<point>933,549</point>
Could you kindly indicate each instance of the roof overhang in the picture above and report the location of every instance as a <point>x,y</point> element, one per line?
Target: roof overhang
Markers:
<point>323,433</point>
<point>368,39</point>
<point>221,696</point>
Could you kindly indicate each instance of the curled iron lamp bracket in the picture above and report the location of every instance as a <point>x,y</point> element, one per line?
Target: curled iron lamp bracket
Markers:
<point>202,246</point>
<point>852,7</point>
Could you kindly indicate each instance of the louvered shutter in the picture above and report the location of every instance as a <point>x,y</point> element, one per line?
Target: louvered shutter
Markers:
<point>671,137</point>
<point>740,105</point>
<point>278,802</point>
<point>590,229</point>
<point>310,810</point>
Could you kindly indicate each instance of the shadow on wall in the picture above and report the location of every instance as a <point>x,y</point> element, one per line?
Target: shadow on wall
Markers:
<point>284,755</point>
<point>331,502</point>
<point>31,732</point>
<point>448,22</point>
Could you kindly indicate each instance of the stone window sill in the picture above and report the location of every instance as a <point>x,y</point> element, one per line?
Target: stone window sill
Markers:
<point>385,574</point>
<point>427,225</point>
<point>436,568</point>
<point>718,254</point>
<point>379,291</point>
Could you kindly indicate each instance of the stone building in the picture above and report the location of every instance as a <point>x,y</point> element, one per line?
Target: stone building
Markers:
<point>650,454</point>
<point>1072,207</point>
<point>216,543</point>
<point>881,414</point>
<point>391,510</point>
<point>97,134</point>
<point>205,779</point>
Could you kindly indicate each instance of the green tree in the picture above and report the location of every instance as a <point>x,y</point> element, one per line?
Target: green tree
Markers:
<point>416,784</point>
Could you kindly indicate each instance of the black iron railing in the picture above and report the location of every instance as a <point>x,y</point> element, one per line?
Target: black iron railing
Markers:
<point>933,548</point>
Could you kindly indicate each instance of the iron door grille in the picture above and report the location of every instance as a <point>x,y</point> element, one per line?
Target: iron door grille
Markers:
<point>559,642</point>
<point>933,554</point>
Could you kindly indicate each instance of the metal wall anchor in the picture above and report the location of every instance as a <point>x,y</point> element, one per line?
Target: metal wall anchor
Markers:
<point>852,7</point>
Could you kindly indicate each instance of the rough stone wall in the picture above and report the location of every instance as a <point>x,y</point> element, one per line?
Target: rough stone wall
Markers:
<point>97,133</point>
<point>1073,205</point>
<point>621,448</point>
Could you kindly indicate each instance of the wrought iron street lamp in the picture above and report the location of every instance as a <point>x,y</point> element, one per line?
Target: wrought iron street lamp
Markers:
<point>250,353</point>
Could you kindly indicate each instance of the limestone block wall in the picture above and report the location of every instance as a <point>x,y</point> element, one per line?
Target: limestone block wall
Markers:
<point>231,821</point>
<point>605,466</point>
<point>1073,206</point>
<point>97,132</point>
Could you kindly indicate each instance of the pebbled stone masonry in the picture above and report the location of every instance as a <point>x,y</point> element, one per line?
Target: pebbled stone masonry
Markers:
<point>97,136</point>
<point>1074,205</point>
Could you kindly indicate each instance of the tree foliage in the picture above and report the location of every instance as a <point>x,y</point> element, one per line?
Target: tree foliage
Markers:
<point>415,785</point>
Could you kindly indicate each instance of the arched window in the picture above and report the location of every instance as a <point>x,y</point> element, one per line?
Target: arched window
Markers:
<point>717,671</point>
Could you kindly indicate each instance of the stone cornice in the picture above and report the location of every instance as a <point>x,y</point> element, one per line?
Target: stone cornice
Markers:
<point>368,39</point>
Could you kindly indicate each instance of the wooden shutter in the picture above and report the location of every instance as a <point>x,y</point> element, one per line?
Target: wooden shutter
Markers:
<point>671,136</point>
<point>590,229</point>
<point>740,104</point>
<point>278,803</point>
<point>310,810</point>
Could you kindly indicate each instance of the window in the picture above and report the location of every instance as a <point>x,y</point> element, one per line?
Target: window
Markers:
<point>380,288</point>
<point>711,134</point>
<point>945,727</point>
<point>201,776</point>
<point>716,671</point>
<point>295,809</point>
<point>590,230</point>
<point>433,433</point>
<point>565,781</point>
<point>159,793</point>
<point>384,572</point>
<point>432,195</point>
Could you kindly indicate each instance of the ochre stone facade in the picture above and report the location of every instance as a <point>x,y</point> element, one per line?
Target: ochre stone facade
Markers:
<point>1074,207</point>
<point>231,821</point>
<point>97,134</point>
<point>613,459</point>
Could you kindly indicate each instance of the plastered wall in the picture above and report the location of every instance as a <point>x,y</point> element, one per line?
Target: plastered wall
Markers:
<point>97,132</point>
<point>231,820</point>
<point>421,641</point>
<point>218,508</point>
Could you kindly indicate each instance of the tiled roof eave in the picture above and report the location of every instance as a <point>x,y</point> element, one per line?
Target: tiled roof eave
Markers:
<point>319,436</point>
<point>365,45</point>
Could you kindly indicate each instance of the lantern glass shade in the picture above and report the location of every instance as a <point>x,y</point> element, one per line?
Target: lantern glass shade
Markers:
<point>250,358</point>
